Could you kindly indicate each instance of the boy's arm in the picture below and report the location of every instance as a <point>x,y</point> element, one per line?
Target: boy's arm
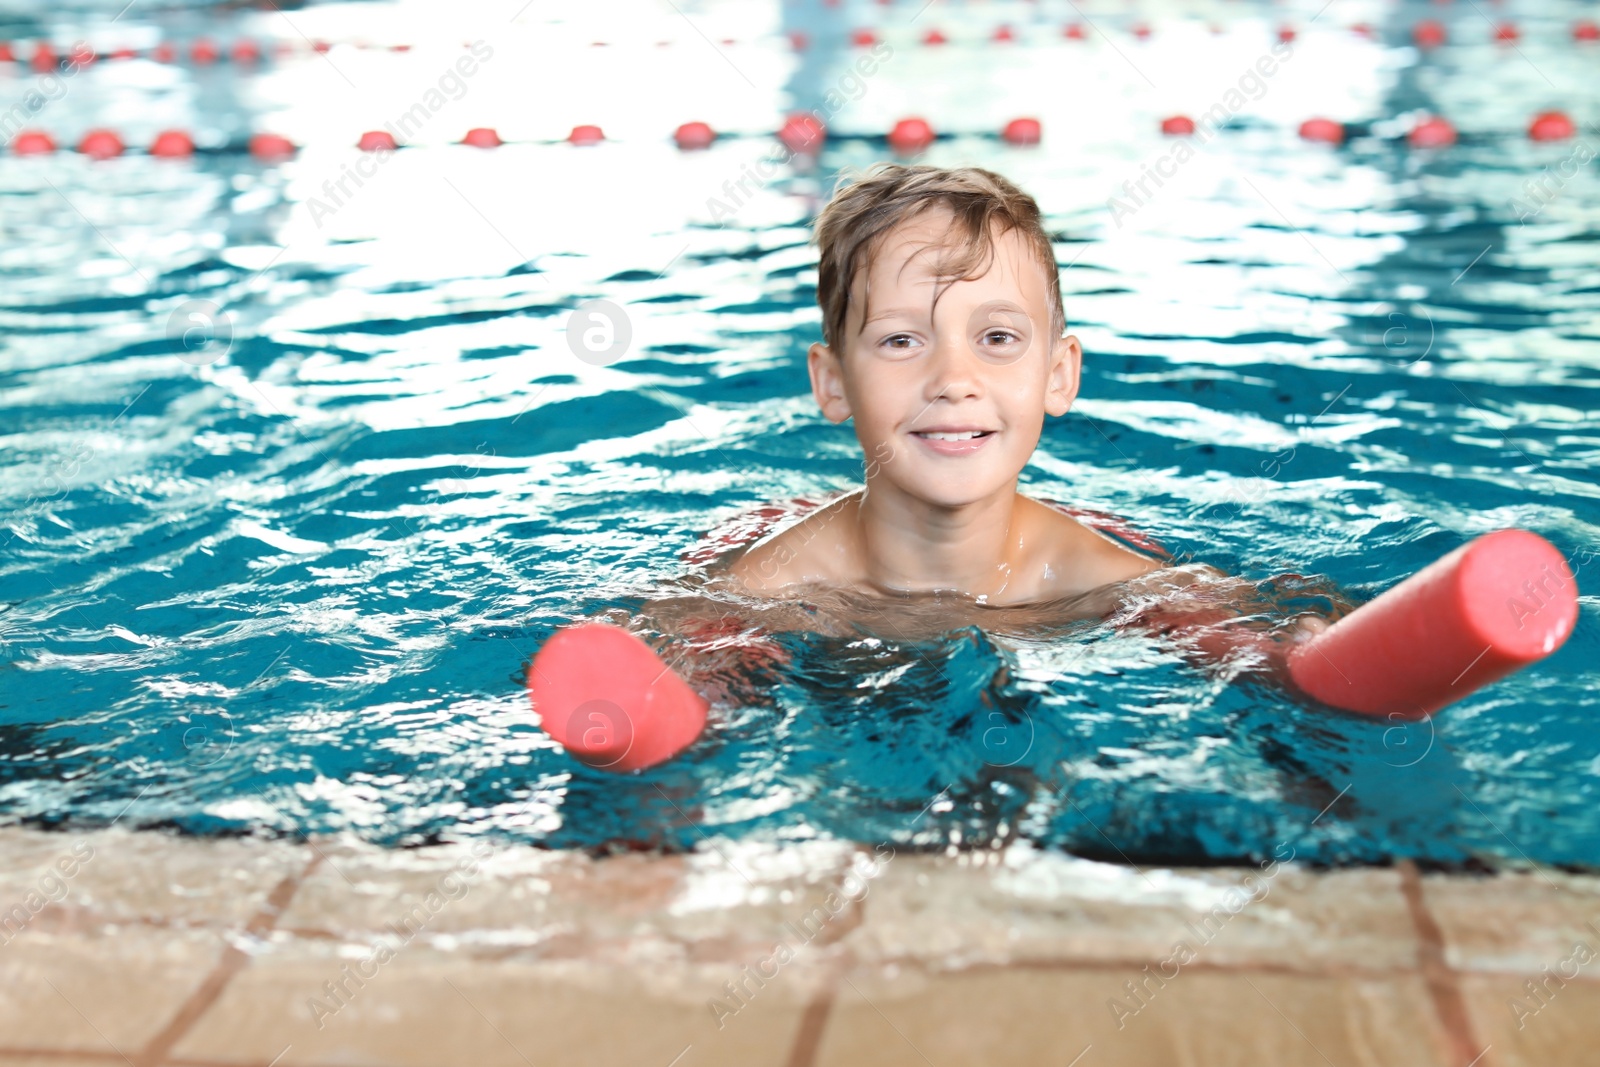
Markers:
<point>1221,618</point>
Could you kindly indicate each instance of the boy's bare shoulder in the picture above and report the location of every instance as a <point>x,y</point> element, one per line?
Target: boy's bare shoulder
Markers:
<point>814,550</point>
<point>1073,558</point>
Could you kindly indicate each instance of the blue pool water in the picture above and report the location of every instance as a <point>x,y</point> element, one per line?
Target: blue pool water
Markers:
<point>287,580</point>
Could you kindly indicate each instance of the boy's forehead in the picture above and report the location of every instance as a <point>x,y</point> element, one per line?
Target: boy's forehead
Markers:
<point>915,250</point>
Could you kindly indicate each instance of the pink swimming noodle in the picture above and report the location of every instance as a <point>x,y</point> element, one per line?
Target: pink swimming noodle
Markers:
<point>1492,606</point>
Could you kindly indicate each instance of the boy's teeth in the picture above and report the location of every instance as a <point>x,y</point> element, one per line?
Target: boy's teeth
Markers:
<point>965,436</point>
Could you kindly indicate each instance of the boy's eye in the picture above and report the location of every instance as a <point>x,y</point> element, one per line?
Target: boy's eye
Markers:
<point>899,340</point>
<point>1001,337</point>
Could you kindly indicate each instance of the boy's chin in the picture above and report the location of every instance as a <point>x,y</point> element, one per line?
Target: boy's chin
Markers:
<point>954,492</point>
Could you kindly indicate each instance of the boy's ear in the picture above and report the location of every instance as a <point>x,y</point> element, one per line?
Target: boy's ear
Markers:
<point>827,382</point>
<point>1066,364</point>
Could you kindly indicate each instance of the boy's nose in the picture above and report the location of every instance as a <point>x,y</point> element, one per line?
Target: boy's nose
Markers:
<point>953,372</point>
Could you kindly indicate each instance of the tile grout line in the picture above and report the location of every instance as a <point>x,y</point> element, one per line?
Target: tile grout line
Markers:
<point>1444,987</point>
<point>814,1019</point>
<point>33,1055</point>
<point>231,962</point>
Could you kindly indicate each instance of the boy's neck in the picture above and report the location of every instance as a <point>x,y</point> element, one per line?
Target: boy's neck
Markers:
<point>908,544</point>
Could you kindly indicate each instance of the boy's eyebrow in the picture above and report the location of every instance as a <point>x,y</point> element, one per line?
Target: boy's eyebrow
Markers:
<point>888,313</point>
<point>1000,303</point>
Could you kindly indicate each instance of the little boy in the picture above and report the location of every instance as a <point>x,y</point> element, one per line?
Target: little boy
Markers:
<point>945,339</point>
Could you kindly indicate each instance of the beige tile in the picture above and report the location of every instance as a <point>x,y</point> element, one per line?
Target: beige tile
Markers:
<point>428,1007</point>
<point>722,903</point>
<point>1560,1030</point>
<point>68,881</point>
<point>888,1017</point>
<point>27,1060</point>
<point>104,992</point>
<point>1516,923</point>
<point>1028,906</point>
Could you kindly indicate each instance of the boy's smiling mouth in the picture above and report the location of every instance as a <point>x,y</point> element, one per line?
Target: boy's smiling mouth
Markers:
<point>954,440</point>
<point>952,433</point>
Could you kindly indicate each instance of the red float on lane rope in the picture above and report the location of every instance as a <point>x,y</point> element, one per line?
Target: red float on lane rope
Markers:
<point>205,51</point>
<point>101,144</point>
<point>245,51</point>
<point>1324,130</point>
<point>45,59</point>
<point>1586,30</point>
<point>1177,126</point>
<point>32,143</point>
<point>585,135</point>
<point>1506,31</point>
<point>694,135</point>
<point>863,38</point>
<point>1432,132</point>
<point>377,141</point>
<point>803,132</point>
<point>1429,33</point>
<point>271,146</point>
<point>933,36</point>
<point>1074,32</point>
<point>1023,131</point>
<point>482,137</point>
<point>911,135</point>
<point>172,144</point>
<point>1490,607</point>
<point>1551,126</point>
<point>163,52</point>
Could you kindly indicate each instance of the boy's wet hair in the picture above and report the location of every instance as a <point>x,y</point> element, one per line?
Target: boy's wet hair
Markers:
<point>866,207</point>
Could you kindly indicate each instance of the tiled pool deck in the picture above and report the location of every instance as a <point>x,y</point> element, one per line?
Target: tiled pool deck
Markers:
<point>145,949</point>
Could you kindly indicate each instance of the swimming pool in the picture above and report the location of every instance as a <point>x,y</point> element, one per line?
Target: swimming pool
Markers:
<point>287,579</point>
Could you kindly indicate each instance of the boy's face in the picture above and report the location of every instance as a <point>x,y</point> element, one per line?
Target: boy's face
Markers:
<point>982,359</point>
